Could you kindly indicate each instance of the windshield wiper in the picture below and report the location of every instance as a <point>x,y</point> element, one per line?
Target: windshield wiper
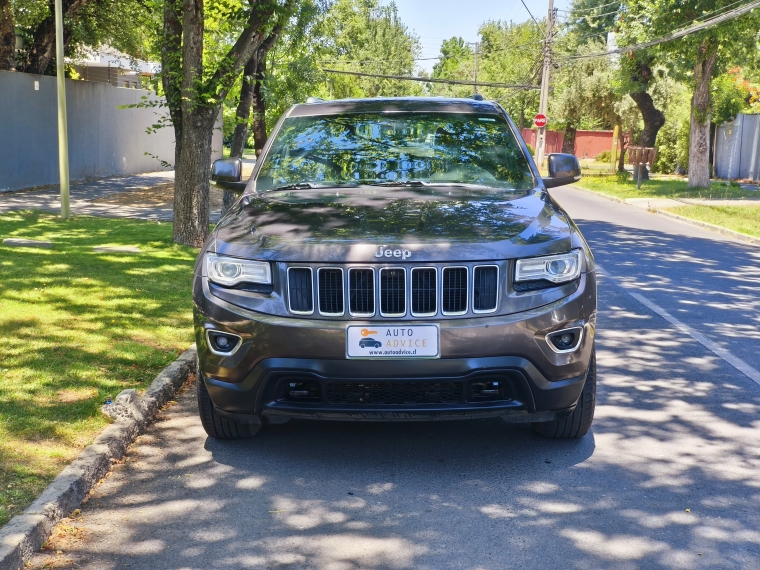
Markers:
<point>310,186</point>
<point>400,183</point>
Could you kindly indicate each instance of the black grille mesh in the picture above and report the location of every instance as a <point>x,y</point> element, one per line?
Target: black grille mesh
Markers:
<point>361,288</point>
<point>393,291</point>
<point>486,287</point>
<point>424,298</point>
<point>331,291</point>
<point>454,290</point>
<point>394,392</point>
<point>299,288</point>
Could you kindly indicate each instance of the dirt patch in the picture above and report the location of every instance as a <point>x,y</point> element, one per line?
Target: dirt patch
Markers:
<point>159,196</point>
<point>69,396</point>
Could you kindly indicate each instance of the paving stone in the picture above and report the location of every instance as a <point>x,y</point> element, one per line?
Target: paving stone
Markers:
<point>20,242</point>
<point>116,249</point>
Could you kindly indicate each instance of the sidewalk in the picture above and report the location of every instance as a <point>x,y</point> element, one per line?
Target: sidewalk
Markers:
<point>85,198</point>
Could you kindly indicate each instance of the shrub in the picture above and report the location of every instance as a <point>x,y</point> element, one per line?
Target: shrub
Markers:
<point>604,156</point>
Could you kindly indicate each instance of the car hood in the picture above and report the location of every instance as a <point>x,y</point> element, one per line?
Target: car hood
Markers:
<point>427,224</point>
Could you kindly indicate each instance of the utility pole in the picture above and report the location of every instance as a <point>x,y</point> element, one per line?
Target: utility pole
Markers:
<point>544,101</point>
<point>63,137</point>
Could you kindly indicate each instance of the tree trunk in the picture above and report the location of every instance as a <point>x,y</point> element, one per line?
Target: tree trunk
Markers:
<point>243,112</point>
<point>191,179</point>
<point>41,51</point>
<point>7,37</point>
<point>259,107</point>
<point>251,96</point>
<point>651,115</point>
<point>193,168</point>
<point>699,139</point>
<point>621,157</point>
<point>568,142</point>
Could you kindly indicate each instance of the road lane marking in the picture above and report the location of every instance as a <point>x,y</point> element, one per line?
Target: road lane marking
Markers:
<point>710,345</point>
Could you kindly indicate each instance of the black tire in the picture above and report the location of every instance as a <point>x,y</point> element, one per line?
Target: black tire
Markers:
<point>578,423</point>
<point>215,425</point>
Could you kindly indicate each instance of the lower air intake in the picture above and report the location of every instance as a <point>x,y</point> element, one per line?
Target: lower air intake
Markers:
<point>381,393</point>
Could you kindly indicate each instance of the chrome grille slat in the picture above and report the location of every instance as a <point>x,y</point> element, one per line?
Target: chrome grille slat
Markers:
<point>424,291</point>
<point>300,291</point>
<point>485,290</point>
<point>361,291</point>
<point>330,291</point>
<point>393,292</point>
<point>454,297</point>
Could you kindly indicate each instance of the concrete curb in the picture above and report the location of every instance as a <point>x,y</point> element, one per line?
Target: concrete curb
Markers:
<point>726,232</point>
<point>23,536</point>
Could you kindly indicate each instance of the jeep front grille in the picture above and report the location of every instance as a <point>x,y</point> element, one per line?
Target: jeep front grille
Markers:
<point>330,283</point>
<point>454,290</point>
<point>485,290</point>
<point>392,292</point>
<point>300,292</point>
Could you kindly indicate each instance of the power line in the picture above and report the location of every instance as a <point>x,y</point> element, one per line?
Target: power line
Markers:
<point>724,17</point>
<point>531,15</point>
<point>434,80</point>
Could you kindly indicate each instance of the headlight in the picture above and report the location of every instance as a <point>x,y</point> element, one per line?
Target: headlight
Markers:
<point>555,268</point>
<point>230,271</point>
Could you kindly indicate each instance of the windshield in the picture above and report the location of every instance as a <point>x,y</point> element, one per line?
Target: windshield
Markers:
<point>395,149</point>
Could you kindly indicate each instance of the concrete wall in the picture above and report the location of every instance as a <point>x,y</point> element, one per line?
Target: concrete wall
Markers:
<point>737,152</point>
<point>588,144</point>
<point>103,139</point>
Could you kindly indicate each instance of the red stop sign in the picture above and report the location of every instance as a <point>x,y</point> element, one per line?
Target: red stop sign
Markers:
<point>540,120</point>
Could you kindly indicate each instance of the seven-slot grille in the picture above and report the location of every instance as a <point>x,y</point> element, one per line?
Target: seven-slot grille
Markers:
<point>418,291</point>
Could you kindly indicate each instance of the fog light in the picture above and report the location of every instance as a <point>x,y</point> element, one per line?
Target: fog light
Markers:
<point>223,343</point>
<point>565,341</point>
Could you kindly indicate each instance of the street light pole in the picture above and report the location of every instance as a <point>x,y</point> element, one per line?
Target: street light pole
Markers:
<point>544,101</point>
<point>63,138</point>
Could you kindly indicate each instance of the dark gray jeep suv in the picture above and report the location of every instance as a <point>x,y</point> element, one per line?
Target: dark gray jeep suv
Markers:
<point>396,259</point>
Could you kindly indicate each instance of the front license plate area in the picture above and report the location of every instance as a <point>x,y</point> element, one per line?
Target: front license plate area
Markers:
<point>393,341</point>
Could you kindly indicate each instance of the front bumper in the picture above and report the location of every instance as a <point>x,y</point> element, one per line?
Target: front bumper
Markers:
<point>534,382</point>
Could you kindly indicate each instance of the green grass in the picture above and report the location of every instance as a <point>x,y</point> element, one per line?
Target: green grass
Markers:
<point>613,186</point>
<point>743,219</point>
<point>78,327</point>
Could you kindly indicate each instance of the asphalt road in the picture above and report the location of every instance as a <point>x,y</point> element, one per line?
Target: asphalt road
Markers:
<point>669,477</point>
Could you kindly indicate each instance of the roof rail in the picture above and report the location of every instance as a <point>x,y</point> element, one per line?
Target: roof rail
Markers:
<point>310,100</point>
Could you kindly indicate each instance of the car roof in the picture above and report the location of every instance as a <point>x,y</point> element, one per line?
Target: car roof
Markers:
<point>395,105</point>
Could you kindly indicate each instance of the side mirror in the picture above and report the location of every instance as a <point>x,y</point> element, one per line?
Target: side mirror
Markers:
<point>563,169</point>
<point>227,173</point>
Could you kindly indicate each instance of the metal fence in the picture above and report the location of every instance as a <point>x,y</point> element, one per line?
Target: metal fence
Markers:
<point>737,149</point>
<point>104,140</point>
